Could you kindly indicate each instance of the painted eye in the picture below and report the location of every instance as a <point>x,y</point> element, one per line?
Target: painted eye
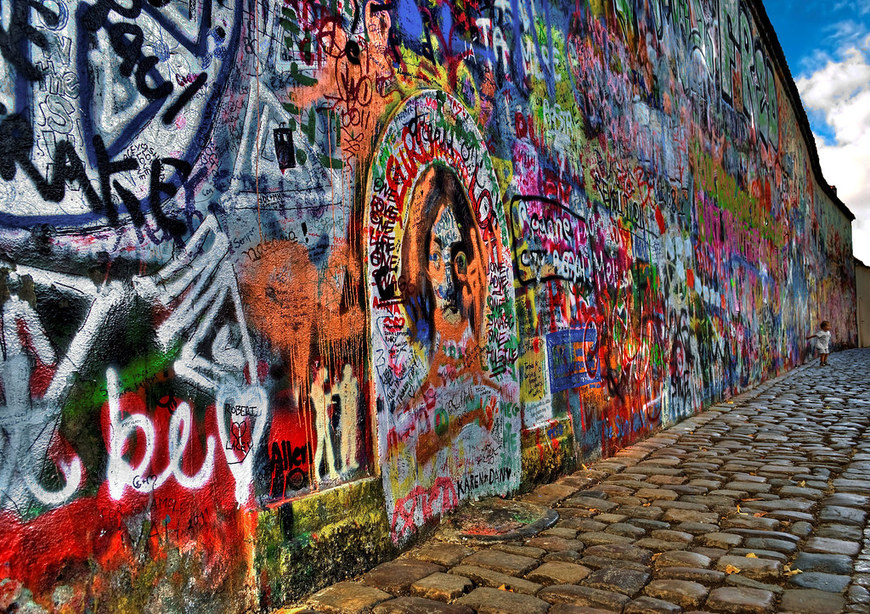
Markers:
<point>461,263</point>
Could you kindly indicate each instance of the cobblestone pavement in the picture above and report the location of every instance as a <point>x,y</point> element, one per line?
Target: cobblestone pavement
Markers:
<point>757,505</point>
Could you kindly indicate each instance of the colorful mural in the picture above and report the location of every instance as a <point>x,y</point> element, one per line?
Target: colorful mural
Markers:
<point>442,314</point>
<point>290,275</point>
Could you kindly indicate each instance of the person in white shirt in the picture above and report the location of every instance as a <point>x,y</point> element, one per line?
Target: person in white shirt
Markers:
<point>823,342</point>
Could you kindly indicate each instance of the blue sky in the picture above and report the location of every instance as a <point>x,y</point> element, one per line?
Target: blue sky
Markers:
<point>827,46</point>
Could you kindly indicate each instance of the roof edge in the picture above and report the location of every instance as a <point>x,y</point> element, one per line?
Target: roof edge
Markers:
<point>769,33</point>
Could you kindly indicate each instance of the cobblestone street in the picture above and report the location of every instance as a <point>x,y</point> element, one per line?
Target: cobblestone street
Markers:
<point>759,504</point>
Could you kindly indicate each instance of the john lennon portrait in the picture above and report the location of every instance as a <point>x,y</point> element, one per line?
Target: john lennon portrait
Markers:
<point>443,265</point>
<point>440,288</point>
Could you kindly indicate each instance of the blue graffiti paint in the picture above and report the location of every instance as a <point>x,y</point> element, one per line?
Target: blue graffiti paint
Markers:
<point>573,359</point>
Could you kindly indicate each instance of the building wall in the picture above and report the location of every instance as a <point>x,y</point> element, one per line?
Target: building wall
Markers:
<point>283,282</point>
<point>862,291</point>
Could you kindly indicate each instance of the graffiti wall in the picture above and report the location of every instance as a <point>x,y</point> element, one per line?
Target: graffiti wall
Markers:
<point>255,254</point>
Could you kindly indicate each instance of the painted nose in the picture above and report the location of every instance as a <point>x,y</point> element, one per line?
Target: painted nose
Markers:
<point>448,288</point>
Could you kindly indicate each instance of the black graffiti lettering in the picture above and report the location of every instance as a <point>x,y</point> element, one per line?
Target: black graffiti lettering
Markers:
<point>299,455</point>
<point>13,41</point>
<point>105,169</point>
<point>68,167</point>
<point>127,40</point>
<point>385,280</point>
<point>158,187</point>
<point>17,137</point>
<point>162,90</point>
<point>474,481</point>
<point>96,14</point>
<point>185,97</point>
<point>128,49</point>
<point>287,473</point>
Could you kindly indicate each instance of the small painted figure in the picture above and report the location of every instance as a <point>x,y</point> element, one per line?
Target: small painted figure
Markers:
<point>348,394</point>
<point>321,401</point>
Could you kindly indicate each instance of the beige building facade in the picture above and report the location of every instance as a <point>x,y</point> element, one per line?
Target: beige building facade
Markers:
<point>862,291</point>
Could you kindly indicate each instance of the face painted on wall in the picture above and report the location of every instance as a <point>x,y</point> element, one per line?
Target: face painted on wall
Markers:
<point>447,263</point>
<point>443,261</point>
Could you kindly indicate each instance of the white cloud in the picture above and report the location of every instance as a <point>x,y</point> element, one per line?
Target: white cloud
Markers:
<point>859,7</point>
<point>836,38</point>
<point>839,91</point>
<point>813,60</point>
<point>835,81</point>
<point>846,32</point>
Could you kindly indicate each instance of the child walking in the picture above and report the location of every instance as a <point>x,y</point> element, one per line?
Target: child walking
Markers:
<point>823,342</point>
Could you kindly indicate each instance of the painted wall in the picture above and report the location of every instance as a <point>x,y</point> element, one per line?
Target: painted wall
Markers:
<point>282,282</point>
